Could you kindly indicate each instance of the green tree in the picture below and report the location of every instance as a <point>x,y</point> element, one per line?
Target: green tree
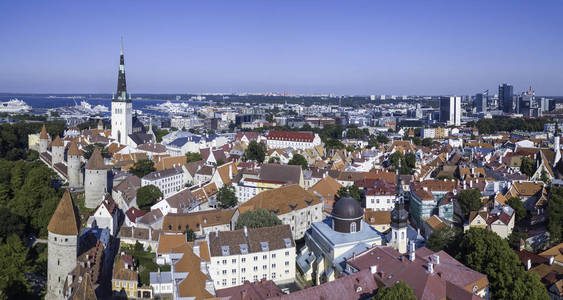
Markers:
<point>220,162</point>
<point>147,196</point>
<point>555,214</point>
<point>382,139</point>
<point>527,166</point>
<point>273,159</point>
<point>518,207</point>
<point>410,160</point>
<point>190,235</point>
<point>10,224</point>
<point>398,291</point>
<point>255,151</point>
<point>544,177</point>
<point>298,160</point>
<point>484,251</point>
<point>426,142</point>
<point>352,190</point>
<point>193,156</point>
<point>334,144</point>
<point>14,264</point>
<point>469,200</point>
<point>257,219</point>
<point>227,197</point>
<point>142,168</point>
<point>446,238</point>
<point>514,238</point>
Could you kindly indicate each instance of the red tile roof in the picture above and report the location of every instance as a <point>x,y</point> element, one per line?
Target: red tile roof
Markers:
<point>296,136</point>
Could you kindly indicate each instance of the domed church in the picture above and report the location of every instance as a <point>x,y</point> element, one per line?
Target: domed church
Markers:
<point>340,236</point>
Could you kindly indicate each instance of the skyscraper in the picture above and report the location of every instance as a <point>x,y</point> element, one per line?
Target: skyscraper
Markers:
<point>480,102</point>
<point>506,98</point>
<point>450,110</point>
<point>121,107</point>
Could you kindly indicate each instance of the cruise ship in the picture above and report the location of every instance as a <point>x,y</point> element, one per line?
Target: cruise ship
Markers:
<point>14,106</point>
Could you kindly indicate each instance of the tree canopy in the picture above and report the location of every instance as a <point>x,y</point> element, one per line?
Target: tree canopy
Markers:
<point>257,219</point>
<point>518,206</point>
<point>193,156</point>
<point>142,168</point>
<point>493,125</point>
<point>469,200</point>
<point>147,196</point>
<point>190,235</point>
<point>484,251</point>
<point>352,190</point>
<point>255,151</point>
<point>527,166</point>
<point>446,238</point>
<point>298,160</point>
<point>555,214</point>
<point>227,197</point>
<point>398,291</point>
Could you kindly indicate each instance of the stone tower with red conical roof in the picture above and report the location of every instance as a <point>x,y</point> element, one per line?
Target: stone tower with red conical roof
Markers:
<point>73,166</point>
<point>62,246</point>
<point>43,140</point>
<point>95,180</point>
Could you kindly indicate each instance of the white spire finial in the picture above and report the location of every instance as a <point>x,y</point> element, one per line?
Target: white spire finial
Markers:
<point>121,45</point>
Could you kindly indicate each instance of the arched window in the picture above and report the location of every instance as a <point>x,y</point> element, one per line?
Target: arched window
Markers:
<point>353,227</point>
<point>402,235</point>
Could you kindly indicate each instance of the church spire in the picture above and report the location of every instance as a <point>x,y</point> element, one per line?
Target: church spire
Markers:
<point>121,94</point>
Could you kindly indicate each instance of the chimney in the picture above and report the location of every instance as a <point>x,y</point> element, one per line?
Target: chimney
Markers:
<point>551,258</point>
<point>196,249</point>
<point>411,256</point>
<point>528,264</point>
<point>245,231</point>
<point>373,269</point>
<point>431,268</point>
<point>203,267</point>
<point>437,259</point>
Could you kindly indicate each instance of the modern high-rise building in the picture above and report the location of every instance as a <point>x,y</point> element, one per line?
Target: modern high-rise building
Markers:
<point>450,110</point>
<point>121,107</point>
<point>506,98</point>
<point>528,105</point>
<point>480,102</point>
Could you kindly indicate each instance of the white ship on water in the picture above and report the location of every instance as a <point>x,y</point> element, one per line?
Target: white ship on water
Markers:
<point>14,106</point>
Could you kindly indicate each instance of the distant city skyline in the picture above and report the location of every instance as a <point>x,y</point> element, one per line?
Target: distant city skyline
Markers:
<point>360,48</point>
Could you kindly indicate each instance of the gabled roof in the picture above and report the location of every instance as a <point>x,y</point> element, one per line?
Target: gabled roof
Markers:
<point>281,200</point>
<point>96,162</point>
<point>297,136</point>
<point>64,221</point>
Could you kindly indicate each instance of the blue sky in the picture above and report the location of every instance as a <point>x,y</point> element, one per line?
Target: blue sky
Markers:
<point>341,47</point>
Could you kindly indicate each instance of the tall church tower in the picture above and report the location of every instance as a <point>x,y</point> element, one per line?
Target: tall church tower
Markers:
<point>121,106</point>
<point>62,246</point>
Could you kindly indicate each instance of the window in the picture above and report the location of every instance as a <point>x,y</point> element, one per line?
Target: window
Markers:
<point>242,279</point>
<point>352,227</point>
<point>234,271</point>
<point>242,270</point>
<point>273,275</point>
<point>255,268</point>
<point>224,272</point>
<point>402,235</point>
<point>224,282</point>
<point>286,263</point>
<point>234,281</point>
<point>286,271</point>
<point>243,260</point>
<point>273,255</point>
<point>264,257</point>
<point>255,258</point>
<point>224,261</point>
<point>255,278</point>
<point>264,276</point>
<point>273,265</point>
<point>264,267</point>
<point>234,261</point>
<point>286,253</point>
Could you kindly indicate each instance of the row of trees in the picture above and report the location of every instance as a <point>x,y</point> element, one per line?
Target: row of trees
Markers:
<point>486,126</point>
<point>14,138</point>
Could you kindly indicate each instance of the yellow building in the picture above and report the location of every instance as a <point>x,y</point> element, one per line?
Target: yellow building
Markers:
<point>124,279</point>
